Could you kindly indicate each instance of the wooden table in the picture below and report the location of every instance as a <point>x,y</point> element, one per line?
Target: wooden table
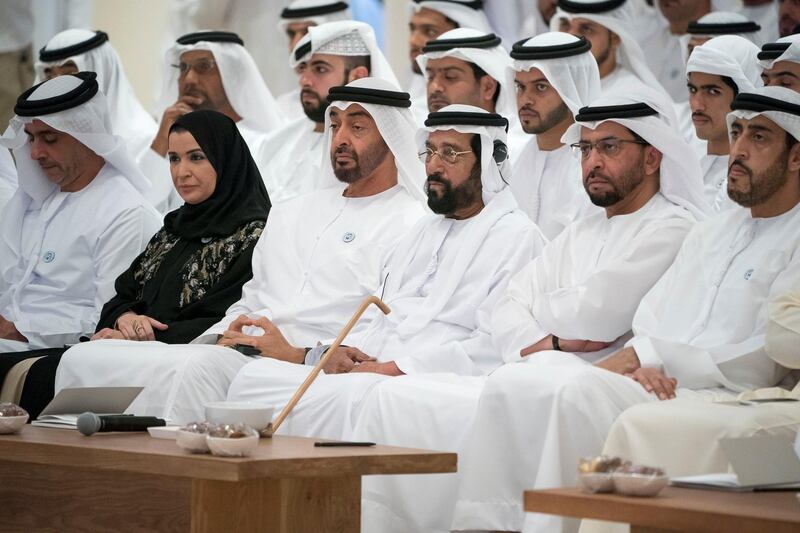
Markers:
<point>677,509</point>
<point>59,480</point>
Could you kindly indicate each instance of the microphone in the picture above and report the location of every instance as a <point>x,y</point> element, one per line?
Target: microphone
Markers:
<point>90,423</point>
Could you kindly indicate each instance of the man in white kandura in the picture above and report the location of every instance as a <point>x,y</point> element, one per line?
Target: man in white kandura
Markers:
<point>555,75</point>
<point>719,23</point>
<point>609,26</point>
<point>441,282</point>
<point>714,24</point>
<point>781,63</point>
<point>427,20</point>
<point>296,18</point>
<point>745,341</point>
<point>585,288</point>
<point>319,256</point>
<point>466,66</point>
<point>585,285</point>
<point>330,55</point>
<point>716,72</point>
<point>700,329</point>
<point>213,70</point>
<point>77,220</point>
<point>77,50</point>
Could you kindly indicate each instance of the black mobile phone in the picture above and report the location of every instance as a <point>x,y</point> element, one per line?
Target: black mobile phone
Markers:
<point>249,351</point>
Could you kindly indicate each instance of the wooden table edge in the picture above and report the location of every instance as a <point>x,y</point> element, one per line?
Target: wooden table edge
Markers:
<point>577,504</point>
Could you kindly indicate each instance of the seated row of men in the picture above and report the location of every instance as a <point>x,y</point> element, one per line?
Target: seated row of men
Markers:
<point>645,293</point>
<point>645,298</point>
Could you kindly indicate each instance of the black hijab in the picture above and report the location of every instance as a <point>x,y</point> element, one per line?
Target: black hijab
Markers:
<point>239,197</point>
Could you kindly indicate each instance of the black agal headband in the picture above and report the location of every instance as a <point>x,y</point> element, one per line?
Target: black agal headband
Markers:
<point>366,95</point>
<point>77,96</point>
<point>465,118</point>
<point>722,28</point>
<point>556,51</point>
<point>610,112</point>
<point>474,4</point>
<point>48,56</point>
<point>210,36</point>
<point>300,13</point>
<point>594,7</point>
<point>489,40</point>
<point>773,50</point>
<point>759,103</point>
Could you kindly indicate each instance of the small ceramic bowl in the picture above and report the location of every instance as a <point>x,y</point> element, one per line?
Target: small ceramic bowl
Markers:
<point>639,484</point>
<point>192,441</point>
<point>12,424</point>
<point>597,481</point>
<point>234,447</point>
<point>256,415</point>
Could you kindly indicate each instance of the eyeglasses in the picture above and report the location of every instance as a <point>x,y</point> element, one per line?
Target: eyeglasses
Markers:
<point>202,67</point>
<point>606,147</point>
<point>446,154</point>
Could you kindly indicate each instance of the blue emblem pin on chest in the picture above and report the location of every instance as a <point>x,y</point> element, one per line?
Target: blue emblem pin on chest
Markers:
<point>349,236</point>
<point>49,257</point>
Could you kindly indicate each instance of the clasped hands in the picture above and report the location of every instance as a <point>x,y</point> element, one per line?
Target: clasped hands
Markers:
<point>273,344</point>
<point>624,361</point>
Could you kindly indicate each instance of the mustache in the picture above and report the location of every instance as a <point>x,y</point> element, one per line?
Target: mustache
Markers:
<point>436,177</point>
<point>738,163</point>
<point>309,92</point>
<point>699,114</point>
<point>596,174</point>
<point>346,150</point>
<point>528,107</point>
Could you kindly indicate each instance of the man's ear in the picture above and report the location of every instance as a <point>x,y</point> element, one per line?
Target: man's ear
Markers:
<point>793,162</point>
<point>358,73</point>
<point>652,160</point>
<point>488,86</point>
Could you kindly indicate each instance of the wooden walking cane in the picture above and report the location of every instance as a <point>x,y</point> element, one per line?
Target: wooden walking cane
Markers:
<point>273,427</point>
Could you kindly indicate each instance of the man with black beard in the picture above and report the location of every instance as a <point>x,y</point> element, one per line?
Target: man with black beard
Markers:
<point>555,75</point>
<point>330,54</point>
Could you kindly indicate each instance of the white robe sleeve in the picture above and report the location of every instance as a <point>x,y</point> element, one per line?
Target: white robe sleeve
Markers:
<point>513,325</point>
<point>116,248</point>
<point>737,366</point>
<point>783,330</point>
<point>477,355</point>
<point>601,307</point>
<point>598,308</point>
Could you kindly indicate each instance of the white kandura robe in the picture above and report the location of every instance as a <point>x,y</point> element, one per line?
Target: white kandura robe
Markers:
<point>585,284</point>
<point>703,323</point>
<point>289,103</point>
<point>548,187</point>
<point>318,257</point>
<point>8,177</point>
<point>418,89</point>
<point>439,320</point>
<point>664,56</point>
<point>292,160</point>
<point>73,249</point>
<point>715,181</point>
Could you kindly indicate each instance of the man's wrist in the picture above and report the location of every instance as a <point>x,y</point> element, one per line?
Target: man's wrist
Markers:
<point>295,355</point>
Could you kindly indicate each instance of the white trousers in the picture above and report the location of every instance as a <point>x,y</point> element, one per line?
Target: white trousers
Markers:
<point>327,410</point>
<point>432,412</point>
<point>178,379</point>
<point>535,420</point>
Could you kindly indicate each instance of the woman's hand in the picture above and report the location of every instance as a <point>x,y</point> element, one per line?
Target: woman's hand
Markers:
<point>138,327</point>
